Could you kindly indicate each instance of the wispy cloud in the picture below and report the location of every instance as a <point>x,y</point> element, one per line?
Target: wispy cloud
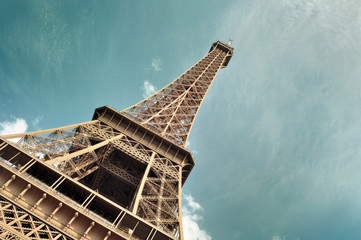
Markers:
<point>194,151</point>
<point>157,64</point>
<point>148,89</point>
<point>188,144</point>
<point>18,125</point>
<point>36,122</point>
<point>277,237</point>
<point>192,215</point>
<point>52,43</point>
<point>294,130</point>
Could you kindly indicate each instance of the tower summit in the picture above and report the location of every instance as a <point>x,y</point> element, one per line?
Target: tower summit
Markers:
<point>119,176</point>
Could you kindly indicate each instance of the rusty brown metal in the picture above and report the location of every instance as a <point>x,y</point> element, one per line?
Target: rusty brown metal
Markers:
<point>172,110</point>
<point>119,176</point>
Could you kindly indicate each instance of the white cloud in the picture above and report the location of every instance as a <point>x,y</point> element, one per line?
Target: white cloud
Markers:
<point>297,97</point>
<point>191,216</point>
<point>156,64</point>
<point>188,143</point>
<point>194,151</point>
<point>277,237</point>
<point>36,122</point>
<point>39,155</point>
<point>18,125</point>
<point>148,89</point>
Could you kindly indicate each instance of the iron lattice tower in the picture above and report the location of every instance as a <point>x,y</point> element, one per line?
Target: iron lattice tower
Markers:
<point>118,176</point>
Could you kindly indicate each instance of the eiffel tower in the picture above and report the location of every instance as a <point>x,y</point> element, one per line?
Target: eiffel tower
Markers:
<point>119,176</point>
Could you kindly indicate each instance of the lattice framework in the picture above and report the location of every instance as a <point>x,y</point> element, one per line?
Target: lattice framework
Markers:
<point>12,217</point>
<point>83,149</point>
<point>172,110</point>
<point>134,158</point>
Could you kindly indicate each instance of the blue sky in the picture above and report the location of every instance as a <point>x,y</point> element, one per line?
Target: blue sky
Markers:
<point>277,142</point>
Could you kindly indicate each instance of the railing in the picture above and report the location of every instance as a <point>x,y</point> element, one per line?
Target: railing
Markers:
<point>62,198</point>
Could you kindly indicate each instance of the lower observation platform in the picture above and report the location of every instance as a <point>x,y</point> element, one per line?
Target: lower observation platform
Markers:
<point>52,205</point>
<point>147,137</point>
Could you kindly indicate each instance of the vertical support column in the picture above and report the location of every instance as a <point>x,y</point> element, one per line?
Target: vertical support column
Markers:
<point>151,234</point>
<point>27,165</point>
<point>57,183</point>
<point>142,184</point>
<point>160,196</point>
<point>119,219</point>
<point>180,219</point>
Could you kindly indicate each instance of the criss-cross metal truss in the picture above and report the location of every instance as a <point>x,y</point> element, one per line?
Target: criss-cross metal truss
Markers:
<point>118,176</point>
<point>171,111</point>
<point>18,224</point>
